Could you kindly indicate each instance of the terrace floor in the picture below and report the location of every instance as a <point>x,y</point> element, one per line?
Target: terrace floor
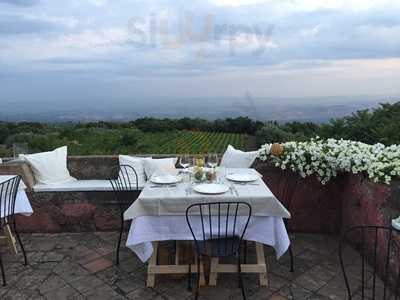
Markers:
<point>80,266</point>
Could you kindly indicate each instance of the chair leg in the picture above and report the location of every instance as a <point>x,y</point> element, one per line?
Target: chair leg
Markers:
<point>198,277</point>
<point>190,277</point>
<point>20,242</point>
<point>291,259</point>
<point>241,285</point>
<point>245,252</point>
<point>2,271</point>
<point>119,240</point>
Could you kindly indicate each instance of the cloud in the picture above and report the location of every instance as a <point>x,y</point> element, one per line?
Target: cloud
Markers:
<point>197,39</point>
<point>98,2</point>
<point>20,2</point>
<point>25,23</point>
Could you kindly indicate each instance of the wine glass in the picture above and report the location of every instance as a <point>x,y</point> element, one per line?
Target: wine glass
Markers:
<point>212,160</point>
<point>185,161</point>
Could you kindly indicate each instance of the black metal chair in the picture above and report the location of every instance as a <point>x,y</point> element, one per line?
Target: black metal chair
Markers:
<point>220,234</point>
<point>124,185</point>
<point>379,249</point>
<point>8,196</point>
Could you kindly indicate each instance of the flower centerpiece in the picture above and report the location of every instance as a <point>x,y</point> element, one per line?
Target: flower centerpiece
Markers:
<point>325,158</point>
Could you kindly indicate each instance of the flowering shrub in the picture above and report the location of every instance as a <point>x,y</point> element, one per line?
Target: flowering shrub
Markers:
<point>325,158</point>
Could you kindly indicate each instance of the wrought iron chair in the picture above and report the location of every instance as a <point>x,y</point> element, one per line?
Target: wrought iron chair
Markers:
<point>8,196</point>
<point>378,247</point>
<point>124,186</point>
<point>216,232</point>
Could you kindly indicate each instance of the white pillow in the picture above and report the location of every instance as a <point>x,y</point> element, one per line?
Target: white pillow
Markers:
<point>233,158</point>
<point>137,164</point>
<point>160,166</point>
<point>49,167</point>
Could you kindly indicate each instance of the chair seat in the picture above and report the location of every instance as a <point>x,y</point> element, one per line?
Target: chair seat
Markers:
<point>219,247</point>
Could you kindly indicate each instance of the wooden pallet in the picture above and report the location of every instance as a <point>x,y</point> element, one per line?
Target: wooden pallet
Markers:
<point>154,268</point>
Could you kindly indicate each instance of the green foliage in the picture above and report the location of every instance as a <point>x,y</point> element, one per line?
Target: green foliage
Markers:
<point>186,135</point>
<point>271,133</point>
<point>381,125</point>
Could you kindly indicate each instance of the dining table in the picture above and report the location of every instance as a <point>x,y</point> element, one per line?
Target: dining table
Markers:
<point>22,207</point>
<point>159,214</point>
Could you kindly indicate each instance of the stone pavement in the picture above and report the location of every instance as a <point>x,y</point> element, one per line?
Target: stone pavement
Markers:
<point>81,266</point>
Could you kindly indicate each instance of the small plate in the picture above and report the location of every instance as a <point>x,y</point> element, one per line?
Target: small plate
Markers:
<point>238,177</point>
<point>211,188</point>
<point>165,179</point>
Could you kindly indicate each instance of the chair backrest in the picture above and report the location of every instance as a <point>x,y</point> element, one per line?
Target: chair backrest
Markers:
<point>8,195</point>
<point>126,180</point>
<point>221,221</point>
<point>379,267</point>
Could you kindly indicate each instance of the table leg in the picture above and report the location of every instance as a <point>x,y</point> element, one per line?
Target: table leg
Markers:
<point>151,277</point>
<point>10,238</point>
<point>261,262</point>
<point>259,268</point>
<point>153,268</point>
<point>213,271</point>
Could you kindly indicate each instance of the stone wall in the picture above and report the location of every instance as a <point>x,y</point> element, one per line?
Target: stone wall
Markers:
<point>314,207</point>
<point>346,200</point>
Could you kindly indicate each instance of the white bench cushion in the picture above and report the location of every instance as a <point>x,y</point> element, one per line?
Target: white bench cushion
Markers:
<point>76,186</point>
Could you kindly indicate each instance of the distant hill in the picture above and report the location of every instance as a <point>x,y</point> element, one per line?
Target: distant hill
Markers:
<point>316,110</point>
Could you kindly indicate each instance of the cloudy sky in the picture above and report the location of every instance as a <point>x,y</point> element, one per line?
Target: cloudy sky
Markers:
<point>142,49</point>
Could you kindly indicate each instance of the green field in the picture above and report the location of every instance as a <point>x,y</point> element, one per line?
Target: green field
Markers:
<point>105,141</point>
<point>193,142</point>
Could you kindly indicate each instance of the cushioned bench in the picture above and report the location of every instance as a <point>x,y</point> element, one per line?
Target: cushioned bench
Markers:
<point>76,186</point>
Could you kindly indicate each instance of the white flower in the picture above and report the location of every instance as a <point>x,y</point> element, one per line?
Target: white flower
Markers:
<point>328,157</point>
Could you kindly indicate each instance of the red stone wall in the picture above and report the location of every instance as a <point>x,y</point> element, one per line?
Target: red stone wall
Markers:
<point>346,200</point>
<point>314,207</point>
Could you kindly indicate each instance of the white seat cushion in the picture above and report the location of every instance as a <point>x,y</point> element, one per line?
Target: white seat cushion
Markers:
<point>233,158</point>
<point>160,166</point>
<point>49,167</point>
<point>137,164</point>
<point>76,186</point>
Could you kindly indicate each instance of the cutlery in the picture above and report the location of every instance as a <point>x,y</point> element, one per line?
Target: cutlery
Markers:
<point>162,186</point>
<point>246,183</point>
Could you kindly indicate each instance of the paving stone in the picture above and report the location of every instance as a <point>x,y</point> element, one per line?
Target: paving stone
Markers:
<point>69,270</point>
<point>335,288</point>
<point>277,297</point>
<point>112,275</point>
<point>128,285</point>
<point>52,257</point>
<point>103,292</point>
<point>98,265</point>
<point>144,294</point>
<point>51,283</point>
<point>89,256</point>
<point>315,278</point>
<point>65,292</point>
<point>295,292</point>
<point>81,266</point>
<point>84,284</point>
<point>30,282</point>
<point>16,294</point>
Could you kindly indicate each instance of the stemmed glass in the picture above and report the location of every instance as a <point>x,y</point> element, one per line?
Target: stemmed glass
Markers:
<point>212,160</point>
<point>185,161</point>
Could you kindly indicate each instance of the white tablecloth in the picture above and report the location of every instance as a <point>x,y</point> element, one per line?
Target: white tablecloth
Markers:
<point>173,201</point>
<point>22,204</point>
<point>266,230</point>
<point>159,215</point>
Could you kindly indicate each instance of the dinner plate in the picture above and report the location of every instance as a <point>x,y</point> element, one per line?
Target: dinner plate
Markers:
<point>165,179</point>
<point>238,177</point>
<point>211,188</point>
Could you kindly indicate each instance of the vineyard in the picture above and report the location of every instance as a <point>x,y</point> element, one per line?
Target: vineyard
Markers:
<point>194,142</point>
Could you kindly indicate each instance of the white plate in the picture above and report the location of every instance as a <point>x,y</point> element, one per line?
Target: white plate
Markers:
<point>211,188</point>
<point>238,177</point>
<point>165,179</point>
